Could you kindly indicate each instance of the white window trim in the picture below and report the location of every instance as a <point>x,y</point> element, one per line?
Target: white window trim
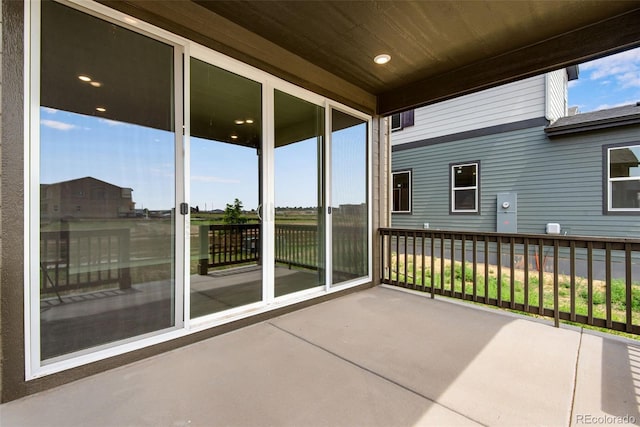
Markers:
<point>453,188</point>
<point>610,181</point>
<point>393,174</point>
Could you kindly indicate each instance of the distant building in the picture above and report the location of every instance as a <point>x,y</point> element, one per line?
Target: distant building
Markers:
<point>85,198</point>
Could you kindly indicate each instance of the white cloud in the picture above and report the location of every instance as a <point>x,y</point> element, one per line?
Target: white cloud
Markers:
<point>49,110</point>
<point>53,124</point>
<point>623,67</point>
<point>215,179</point>
<point>112,122</point>
<point>607,106</point>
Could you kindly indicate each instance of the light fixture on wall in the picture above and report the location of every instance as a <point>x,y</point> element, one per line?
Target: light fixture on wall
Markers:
<point>381,59</point>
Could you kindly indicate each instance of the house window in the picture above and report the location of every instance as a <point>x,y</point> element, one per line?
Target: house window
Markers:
<point>402,192</point>
<point>402,120</point>
<point>465,187</point>
<point>623,178</point>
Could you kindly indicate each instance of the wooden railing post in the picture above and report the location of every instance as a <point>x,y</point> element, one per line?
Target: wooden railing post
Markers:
<point>203,259</point>
<point>124,259</point>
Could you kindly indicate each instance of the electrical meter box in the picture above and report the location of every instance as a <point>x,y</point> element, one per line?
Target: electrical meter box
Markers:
<point>507,213</point>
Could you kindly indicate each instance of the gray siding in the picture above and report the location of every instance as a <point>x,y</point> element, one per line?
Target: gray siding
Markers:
<point>556,180</point>
<point>556,98</point>
<point>513,102</point>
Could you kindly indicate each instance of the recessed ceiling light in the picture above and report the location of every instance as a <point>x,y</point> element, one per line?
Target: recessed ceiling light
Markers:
<point>85,78</point>
<point>95,84</point>
<point>382,59</point>
<point>239,122</point>
<point>250,121</point>
<point>234,136</point>
<point>101,109</point>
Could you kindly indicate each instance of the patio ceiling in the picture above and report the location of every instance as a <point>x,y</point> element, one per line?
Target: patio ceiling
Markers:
<point>439,49</point>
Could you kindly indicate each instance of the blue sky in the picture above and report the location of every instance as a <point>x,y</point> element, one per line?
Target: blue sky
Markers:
<point>608,82</point>
<point>75,146</point>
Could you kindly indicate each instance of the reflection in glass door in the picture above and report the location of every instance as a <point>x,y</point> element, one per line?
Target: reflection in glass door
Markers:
<point>225,163</point>
<point>299,194</point>
<point>107,184</point>
<point>349,207</point>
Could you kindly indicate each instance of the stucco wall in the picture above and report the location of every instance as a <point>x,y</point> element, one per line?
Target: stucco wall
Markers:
<point>1,358</point>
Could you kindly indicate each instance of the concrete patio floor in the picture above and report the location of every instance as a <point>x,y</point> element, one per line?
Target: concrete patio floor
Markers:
<point>380,357</point>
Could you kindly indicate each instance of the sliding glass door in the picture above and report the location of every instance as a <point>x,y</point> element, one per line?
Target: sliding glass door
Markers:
<point>107,185</point>
<point>169,183</point>
<point>225,162</point>
<point>299,194</point>
<point>349,198</point>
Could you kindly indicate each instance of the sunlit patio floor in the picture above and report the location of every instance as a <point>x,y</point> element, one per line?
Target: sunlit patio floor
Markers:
<point>379,357</point>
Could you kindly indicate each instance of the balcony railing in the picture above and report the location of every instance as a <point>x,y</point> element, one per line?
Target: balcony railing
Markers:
<point>84,259</point>
<point>586,280</point>
<point>295,246</point>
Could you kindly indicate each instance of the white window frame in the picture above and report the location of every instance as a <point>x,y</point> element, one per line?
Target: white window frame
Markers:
<point>475,187</point>
<point>409,172</point>
<point>610,180</point>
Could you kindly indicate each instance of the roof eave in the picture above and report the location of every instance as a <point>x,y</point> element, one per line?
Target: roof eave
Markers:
<point>630,120</point>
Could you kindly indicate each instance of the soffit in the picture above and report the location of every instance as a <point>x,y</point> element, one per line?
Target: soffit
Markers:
<point>439,49</point>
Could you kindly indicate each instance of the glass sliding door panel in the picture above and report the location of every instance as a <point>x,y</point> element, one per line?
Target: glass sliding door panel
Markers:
<point>225,163</point>
<point>349,212</point>
<point>299,199</point>
<point>107,183</point>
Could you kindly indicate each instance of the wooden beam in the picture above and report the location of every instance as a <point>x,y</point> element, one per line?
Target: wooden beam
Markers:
<point>603,38</point>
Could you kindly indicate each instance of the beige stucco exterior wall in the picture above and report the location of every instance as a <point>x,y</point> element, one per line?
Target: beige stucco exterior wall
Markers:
<point>1,358</point>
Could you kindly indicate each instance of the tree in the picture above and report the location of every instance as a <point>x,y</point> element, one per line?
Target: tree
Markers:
<point>233,213</point>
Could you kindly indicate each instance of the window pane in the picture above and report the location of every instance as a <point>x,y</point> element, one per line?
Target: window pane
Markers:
<point>349,197</point>
<point>624,162</point>
<point>625,194</point>
<point>396,121</point>
<point>299,190</point>
<point>401,192</point>
<point>107,155</point>
<point>465,199</point>
<point>226,142</point>
<point>464,176</point>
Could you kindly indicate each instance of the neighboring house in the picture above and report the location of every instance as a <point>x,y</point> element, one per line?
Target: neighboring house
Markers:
<point>511,159</point>
<point>85,198</point>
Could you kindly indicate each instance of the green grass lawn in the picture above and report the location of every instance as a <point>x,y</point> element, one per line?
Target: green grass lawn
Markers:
<point>464,282</point>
